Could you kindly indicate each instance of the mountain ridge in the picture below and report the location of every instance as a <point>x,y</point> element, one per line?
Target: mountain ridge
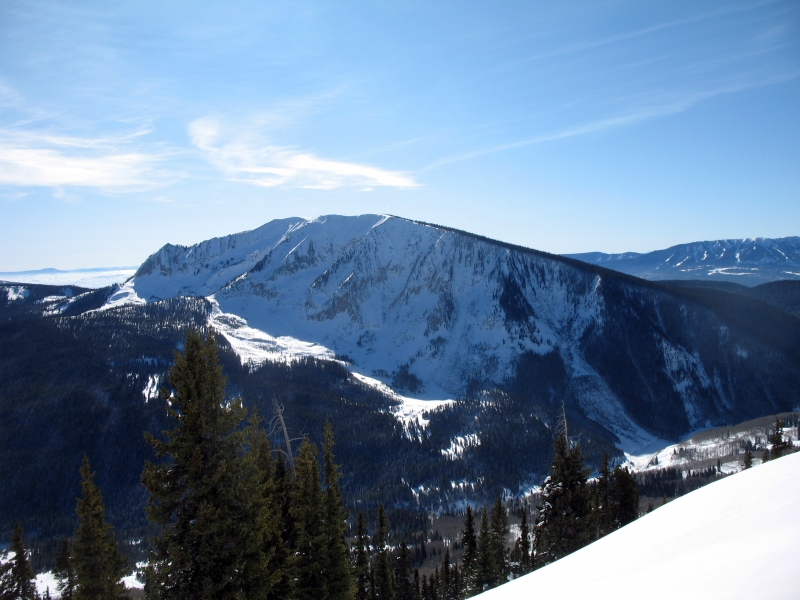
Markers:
<point>747,261</point>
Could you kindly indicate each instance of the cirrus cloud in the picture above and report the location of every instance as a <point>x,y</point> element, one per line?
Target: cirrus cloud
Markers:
<point>245,157</point>
<point>113,164</point>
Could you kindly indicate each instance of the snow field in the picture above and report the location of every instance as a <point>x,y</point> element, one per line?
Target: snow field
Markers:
<point>735,538</point>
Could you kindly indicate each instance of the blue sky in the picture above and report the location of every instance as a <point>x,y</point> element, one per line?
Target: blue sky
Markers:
<point>563,126</point>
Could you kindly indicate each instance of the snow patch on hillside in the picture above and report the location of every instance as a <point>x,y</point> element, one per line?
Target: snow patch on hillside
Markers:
<point>17,292</point>
<point>255,347</point>
<point>126,294</point>
<point>410,411</point>
<point>735,538</point>
<point>152,388</point>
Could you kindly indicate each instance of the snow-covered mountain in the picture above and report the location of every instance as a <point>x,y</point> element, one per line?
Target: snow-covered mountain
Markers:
<point>750,261</point>
<point>439,313</point>
<point>735,538</point>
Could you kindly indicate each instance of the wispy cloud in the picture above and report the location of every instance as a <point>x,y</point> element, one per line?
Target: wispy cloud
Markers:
<point>669,104</point>
<point>248,158</point>
<point>113,164</point>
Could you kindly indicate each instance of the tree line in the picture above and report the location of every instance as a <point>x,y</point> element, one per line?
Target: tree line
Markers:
<point>237,518</point>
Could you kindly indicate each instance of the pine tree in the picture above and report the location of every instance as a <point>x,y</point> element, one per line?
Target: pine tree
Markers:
<point>337,569</point>
<point>382,587</point>
<point>204,490</point>
<point>282,481</point>
<point>99,565</point>
<point>565,513</point>
<point>602,514</point>
<point>264,558</point>
<point>521,555</point>
<point>470,544</point>
<point>747,462</point>
<point>445,577</point>
<point>307,509</point>
<point>485,570</point>
<point>16,576</point>
<point>623,498</point>
<point>65,571</point>
<point>402,575</point>
<point>779,444</point>
<point>361,561</point>
<point>499,525</point>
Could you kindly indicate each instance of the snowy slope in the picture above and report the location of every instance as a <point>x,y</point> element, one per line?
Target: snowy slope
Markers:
<point>749,261</point>
<point>736,538</point>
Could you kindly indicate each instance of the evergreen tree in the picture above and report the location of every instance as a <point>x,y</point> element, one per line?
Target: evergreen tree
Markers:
<point>361,561</point>
<point>382,587</point>
<point>65,571</point>
<point>402,574</point>
<point>445,577</point>
<point>747,462</point>
<point>16,576</point>
<point>307,509</point>
<point>623,498</point>
<point>282,482</point>
<point>521,555</point>
<point>204,491</point>
<point>779,444</point>
<point>337,569</point>
<point>264,557</point>
<point>470,544</point>
<point>499,525</point>
<point>455,587</point>
<point>99,565</point>
<point>485,569</point>
<point>565,513</point>
<point>602,513</point>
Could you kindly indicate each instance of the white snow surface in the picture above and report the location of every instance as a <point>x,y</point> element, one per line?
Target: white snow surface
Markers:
<point>735,538</point>
<point>409,411</point>
<point>126,294</point>
<point>47,581</point>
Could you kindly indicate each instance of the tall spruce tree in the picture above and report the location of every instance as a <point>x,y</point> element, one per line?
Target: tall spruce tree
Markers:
<point>565,513</point>
<point>601,511</point>
<point>623,498</point>
<point>485,573</point>
<point>470,543</point>
<point>307,508</point>
<point>337,569</point>
<point>521,555</point>
<point>499,525</point>
<point>16,576</point>
<point>203,491</point>
<point>264,556</point>
<point>403,585</point>
<point>382,586</point>
<point>99,565</point>
<point>65,571</point>
<point>361,561</point>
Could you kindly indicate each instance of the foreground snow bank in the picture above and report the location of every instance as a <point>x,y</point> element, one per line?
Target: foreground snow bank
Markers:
<point>735,538</point>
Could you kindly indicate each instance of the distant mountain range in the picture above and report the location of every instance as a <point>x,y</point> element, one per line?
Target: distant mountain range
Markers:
<point>441,358</point>
<point>749,262</point>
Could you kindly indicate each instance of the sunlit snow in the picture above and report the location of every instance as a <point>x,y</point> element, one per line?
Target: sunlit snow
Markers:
<point>735,538</point>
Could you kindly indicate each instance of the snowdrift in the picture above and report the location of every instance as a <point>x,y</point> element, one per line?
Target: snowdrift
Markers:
<point>736,538</point>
